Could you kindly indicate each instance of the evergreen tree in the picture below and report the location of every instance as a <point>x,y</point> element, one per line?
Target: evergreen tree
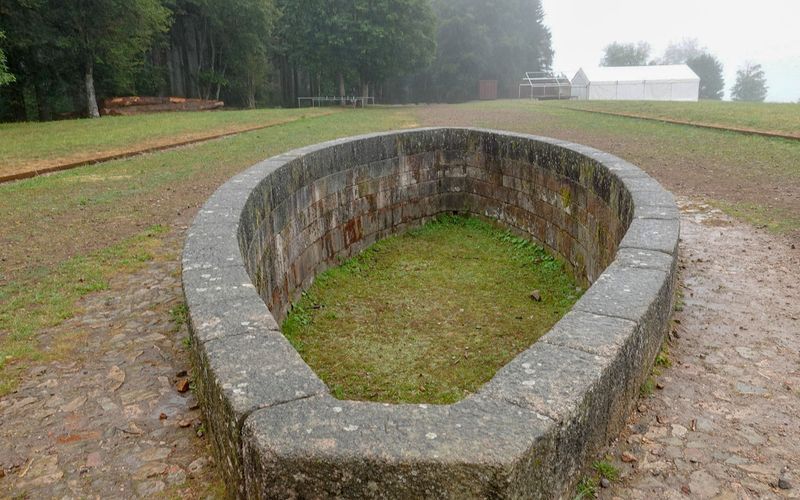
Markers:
<point>369,40</point>
<point>243,30</point>
<point>390,39</point>
<point>5,76</point>
<point>709,69</point>
<point>487,39</point>
<point>44,73</point>
<point>626,54</point>
<point>751,84</point>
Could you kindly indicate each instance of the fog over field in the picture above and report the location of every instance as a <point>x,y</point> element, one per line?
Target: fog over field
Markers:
<point>765,33</point>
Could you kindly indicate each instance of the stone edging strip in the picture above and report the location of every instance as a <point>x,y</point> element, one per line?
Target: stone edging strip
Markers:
<point>739,130</point>
<point>527,433</point>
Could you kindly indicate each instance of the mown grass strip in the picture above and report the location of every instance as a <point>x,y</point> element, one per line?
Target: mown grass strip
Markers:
<point>27,173</point>
<point>36,146</point>
<point>773,219</point>
<point>673,121</point>
<point>780,118</point>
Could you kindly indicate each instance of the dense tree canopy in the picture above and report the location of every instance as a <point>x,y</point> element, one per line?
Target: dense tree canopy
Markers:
<point>626,54</point>
<point>751,84</point>
<point>5,76</point>
<point>114,33</point>
<point>709,69</point>
<point>55,48</point>
<point>364,40</point>
<point>487,39</point>
<point>391,38</point>
<point>65,56</point>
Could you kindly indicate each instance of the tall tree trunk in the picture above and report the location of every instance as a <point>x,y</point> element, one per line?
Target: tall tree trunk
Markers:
<point>342,90</point>
<point>286,97</point>
<point>295,86</point>
<point>365,89</point>
<point>251,90</point>
<point>91,97</point>
<point>42,102</point>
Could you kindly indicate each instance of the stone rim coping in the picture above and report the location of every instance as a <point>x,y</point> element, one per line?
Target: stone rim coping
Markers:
<point>274,400</point>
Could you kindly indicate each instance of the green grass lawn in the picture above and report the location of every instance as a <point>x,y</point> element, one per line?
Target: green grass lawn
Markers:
<point>769,117</point>
<point>431,315</point>
<point>65,235</point>
<point>751,177</point>
<point>25,145</point>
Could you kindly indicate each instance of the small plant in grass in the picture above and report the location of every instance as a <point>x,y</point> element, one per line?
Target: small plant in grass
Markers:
<point>662,359</point>
<point>588,485</point>
<point>647,388</point>
<point>679,300</point>
<point>179,315</point>
<point>587,488</point>
<point>606,469</point>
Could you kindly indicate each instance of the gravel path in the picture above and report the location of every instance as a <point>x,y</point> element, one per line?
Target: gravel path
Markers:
<point>725,420</point>
<point>724,424</point>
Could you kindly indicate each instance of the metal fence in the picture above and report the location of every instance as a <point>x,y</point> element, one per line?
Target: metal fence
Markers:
<point>320,101</point>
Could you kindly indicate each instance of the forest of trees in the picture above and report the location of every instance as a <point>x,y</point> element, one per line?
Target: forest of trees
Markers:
<point>59,58</point>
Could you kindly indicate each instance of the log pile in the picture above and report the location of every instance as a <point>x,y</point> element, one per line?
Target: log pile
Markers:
<point>138,105</point>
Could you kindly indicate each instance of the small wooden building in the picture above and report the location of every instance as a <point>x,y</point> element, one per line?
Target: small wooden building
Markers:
<point>488,90</point>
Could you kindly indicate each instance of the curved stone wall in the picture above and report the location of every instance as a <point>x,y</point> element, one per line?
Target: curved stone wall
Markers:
<point>264,235</point>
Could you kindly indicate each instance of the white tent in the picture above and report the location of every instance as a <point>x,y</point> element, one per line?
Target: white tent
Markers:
<point>675,82</point>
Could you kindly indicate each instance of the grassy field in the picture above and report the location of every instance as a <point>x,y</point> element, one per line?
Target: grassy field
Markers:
<point>63,236</point>
<point>431,315</point>
<point>769,117</point>
<point>25,146</point>
<point>754,178</point>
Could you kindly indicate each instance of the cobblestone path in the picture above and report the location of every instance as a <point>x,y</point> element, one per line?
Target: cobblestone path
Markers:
<point>724,419</point>
<point>111,421</point>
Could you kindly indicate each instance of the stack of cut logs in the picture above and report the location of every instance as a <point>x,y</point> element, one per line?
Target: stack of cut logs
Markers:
<point>136,105</point>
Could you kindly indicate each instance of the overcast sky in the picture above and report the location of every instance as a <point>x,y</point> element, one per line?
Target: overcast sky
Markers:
<point>765,32</point>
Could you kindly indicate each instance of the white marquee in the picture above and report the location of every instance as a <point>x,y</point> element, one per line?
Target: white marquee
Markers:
<point>675,82</point>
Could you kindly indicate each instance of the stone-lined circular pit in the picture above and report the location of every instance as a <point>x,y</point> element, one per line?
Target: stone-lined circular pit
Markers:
<point>263,236</point>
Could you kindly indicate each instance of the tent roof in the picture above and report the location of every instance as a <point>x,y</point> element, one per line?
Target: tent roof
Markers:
<point>672,72</point>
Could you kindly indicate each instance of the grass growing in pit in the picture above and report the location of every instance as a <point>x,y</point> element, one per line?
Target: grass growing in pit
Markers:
<point>431,315</point>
